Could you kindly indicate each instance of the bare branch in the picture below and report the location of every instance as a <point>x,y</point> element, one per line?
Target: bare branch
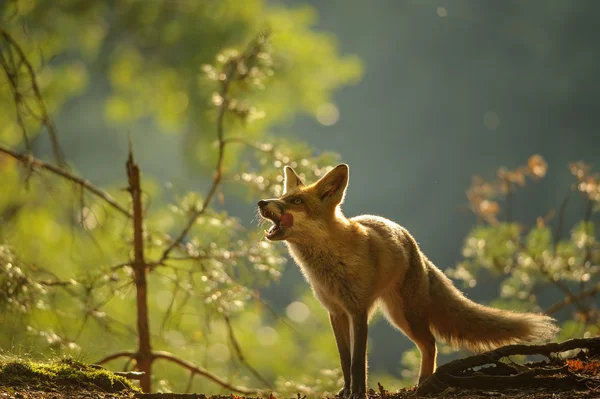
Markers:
<point>12,80</point>
<point>449,374</point>
<point>117,355</point>
<point>45,118</point>
<point>567,291</point>
<point>200,371</point>
<point>30,160</point>
<point>56,283</point>
<point>568,300</point>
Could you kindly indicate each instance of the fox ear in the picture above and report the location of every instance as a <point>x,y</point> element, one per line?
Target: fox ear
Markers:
<point>332,186</point>
<point>291,180</point>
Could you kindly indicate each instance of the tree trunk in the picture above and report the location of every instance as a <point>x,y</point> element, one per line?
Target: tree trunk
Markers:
<point>144,352</point>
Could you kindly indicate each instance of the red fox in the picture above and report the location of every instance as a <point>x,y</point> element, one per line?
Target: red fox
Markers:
<point>357,265</point>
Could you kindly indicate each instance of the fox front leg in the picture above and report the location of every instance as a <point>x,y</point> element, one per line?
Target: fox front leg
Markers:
<point>358,370</point>
<point>340,323</point>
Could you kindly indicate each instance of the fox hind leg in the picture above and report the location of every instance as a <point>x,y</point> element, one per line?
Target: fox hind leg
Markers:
<point>412,320</point>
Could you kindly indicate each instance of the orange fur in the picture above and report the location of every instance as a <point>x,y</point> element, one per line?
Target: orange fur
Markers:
<point>355,266</point>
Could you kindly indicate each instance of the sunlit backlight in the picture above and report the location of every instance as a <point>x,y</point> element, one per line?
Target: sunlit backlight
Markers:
<point>298,312</point>
<point>327,114</point>
<point>491,120</point>
<point>266,336</point>
<point>442,12</point>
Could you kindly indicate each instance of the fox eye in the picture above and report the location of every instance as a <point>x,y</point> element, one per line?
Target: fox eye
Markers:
<point>298,201</point>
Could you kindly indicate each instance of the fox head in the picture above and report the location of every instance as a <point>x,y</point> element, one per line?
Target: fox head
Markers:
<point>302,209</point>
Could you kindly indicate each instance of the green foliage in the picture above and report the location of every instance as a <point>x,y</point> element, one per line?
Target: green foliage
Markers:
<point>18,291</point>
<point>531,259</point>
<point>202,70</point>
<point>226,72</point>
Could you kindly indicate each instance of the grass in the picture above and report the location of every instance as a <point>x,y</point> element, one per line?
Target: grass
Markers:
<point>16,372</point>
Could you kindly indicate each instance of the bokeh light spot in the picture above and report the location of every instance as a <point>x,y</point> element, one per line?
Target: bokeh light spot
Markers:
<point>327,114</point>
<point>297,311</point>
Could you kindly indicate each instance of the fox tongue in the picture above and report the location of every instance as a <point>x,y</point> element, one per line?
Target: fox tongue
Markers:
<point>286,220</point>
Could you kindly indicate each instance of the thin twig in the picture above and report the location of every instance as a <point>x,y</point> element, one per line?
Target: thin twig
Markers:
<point>56,149</point>
<point>561,218</point>
<point>240,355</point>
<point>117,355</point>
<point>30,160</point>
<point>559,283</point>
<point>17,98</point>
<point>272,311</point>
<point>200,371</point>
<point>567,301</point>
<point>223,92</point>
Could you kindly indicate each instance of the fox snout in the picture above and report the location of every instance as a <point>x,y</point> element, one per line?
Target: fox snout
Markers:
<point>266,206</point>
<point>273,211</point>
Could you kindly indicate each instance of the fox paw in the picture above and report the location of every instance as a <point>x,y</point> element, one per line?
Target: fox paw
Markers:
<point>344,392</point>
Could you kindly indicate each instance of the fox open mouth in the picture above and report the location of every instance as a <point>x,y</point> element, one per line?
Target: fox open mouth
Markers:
<point>276,229</point>
<point>280,223</point>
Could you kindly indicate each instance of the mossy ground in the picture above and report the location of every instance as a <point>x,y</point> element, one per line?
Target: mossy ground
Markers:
<point>63,373</point>
<point>67,378</point>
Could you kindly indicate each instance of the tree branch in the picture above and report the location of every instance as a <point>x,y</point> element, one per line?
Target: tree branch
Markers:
<point>218,174</point>
<point>200,371</point>
<point>568,300</point>
<point>30,160</point>
<point>13,83</point>
<point>449,374</point>
<point>117,355</point>
<point>45,118</point>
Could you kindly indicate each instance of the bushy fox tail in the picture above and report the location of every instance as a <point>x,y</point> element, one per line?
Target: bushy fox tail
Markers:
<point>466,324</point>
